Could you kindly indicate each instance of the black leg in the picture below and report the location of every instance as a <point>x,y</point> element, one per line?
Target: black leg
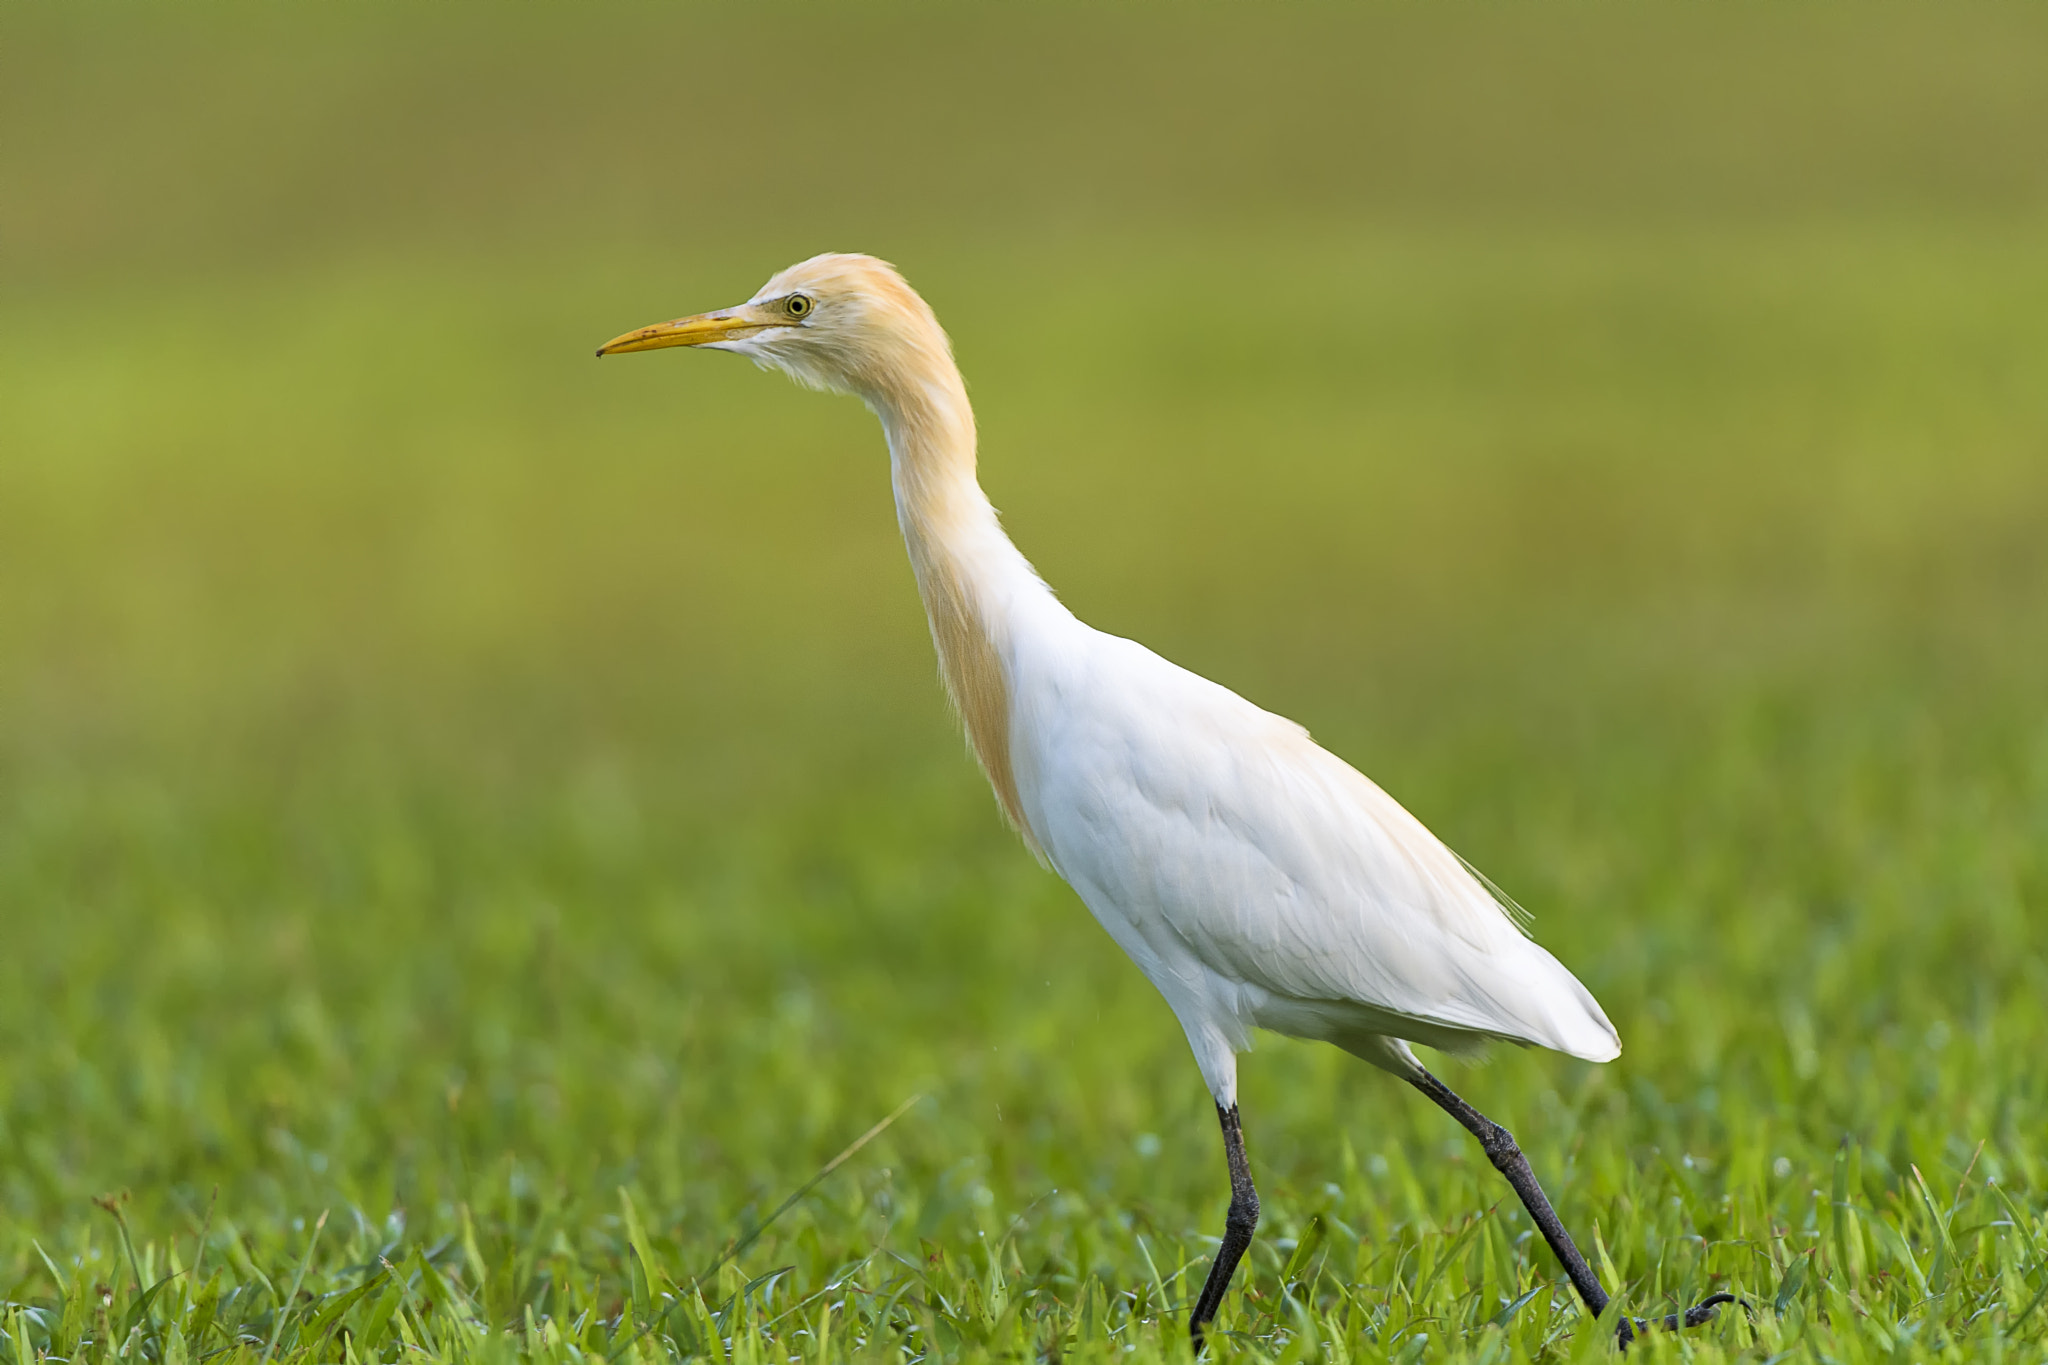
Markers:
<point>1237,1225</point>
<point>1507,1158</point>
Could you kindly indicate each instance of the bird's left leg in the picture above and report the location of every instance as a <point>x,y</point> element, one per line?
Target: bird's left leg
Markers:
<point>1237,1225</point>
<point>1507,1158</point>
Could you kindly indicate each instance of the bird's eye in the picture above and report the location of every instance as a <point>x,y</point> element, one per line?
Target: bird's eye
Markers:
<point>798,305</point>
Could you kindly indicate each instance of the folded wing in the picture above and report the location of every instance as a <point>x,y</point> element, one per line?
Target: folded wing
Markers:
<point>1221,835</point>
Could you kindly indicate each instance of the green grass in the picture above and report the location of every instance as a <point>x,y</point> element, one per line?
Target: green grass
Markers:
<point>502,803</point>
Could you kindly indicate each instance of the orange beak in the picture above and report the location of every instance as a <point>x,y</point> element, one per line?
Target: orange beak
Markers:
<point>726,324</point>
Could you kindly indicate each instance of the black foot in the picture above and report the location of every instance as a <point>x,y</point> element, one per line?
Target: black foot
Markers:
<point>1699,1315</point>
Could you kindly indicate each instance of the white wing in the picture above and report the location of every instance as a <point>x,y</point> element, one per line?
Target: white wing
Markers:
<point>1259,879</point>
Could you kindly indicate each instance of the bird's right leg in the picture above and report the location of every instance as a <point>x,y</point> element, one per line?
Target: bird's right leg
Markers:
<point>1507,1158</point>
<point>1237,1225</point>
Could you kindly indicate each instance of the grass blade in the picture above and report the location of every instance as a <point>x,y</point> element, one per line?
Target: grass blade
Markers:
<point>753,1234</point>
<point>284,1307</point>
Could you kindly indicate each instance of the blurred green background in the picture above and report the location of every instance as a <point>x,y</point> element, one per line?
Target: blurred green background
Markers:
<point>446,781</point>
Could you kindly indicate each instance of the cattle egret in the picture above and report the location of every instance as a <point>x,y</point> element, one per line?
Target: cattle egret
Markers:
<point>1255,878</point>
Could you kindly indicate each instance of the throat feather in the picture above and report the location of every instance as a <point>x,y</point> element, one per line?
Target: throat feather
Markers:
<point>973,674</point>
<point>968,573</point>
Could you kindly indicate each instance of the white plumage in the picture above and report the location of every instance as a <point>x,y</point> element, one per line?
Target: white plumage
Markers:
<point>1257,880</point>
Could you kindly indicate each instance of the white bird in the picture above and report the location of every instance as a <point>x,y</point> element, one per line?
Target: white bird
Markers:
<point>1257,880</point>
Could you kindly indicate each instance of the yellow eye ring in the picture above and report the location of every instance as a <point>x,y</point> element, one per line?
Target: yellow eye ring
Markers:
<point>798,305</point>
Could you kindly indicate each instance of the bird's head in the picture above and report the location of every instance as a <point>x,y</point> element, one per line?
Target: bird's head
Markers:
<point>846,323</point>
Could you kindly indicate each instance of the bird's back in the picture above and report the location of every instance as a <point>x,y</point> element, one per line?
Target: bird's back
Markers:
<point>1259,879</point>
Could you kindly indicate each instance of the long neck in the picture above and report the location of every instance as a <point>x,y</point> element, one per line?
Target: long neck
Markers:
<point>973,580</point>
